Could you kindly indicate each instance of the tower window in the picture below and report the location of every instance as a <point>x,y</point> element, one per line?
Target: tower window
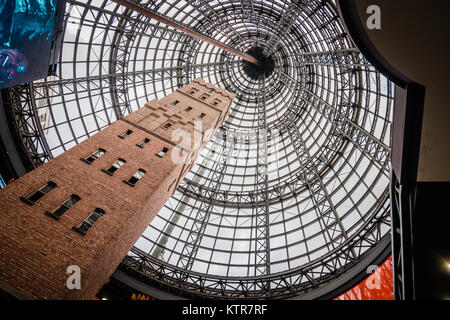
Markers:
<point>188,109</point>
<point>89,221</point>
<point>126,134</point>
<point>64,207</point>
<point>202,115</point>
<point>39,193</point>
<point>114,167</point>
<point>167,126</point>
<point>135,178</point>
<point>193,91</point>
<point>175,102</point>
<point>143,143</point>
<point>162,153</point>
<point>203,97</point>
<point>94,156</point>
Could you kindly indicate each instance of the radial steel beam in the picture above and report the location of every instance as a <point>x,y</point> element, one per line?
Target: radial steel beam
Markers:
<point>195,236</point>
<point>22,104</point>
<point>287,20</point>
<point>327,214</point>
<point>262,252</point>
<point>215,21</point>
<point>177,25</point>
<point>363,140</point>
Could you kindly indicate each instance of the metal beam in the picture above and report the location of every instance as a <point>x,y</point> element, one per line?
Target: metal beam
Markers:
<point>177,25</point>
<point>287,20</point>
<point>204,210</point>
<point>324,207</point>
<point>262,251</point>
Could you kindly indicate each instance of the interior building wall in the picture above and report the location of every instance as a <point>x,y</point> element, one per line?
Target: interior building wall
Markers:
<point>414,39</point>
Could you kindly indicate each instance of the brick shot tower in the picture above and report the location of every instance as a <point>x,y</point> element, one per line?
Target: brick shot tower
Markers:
<point>87,207</point>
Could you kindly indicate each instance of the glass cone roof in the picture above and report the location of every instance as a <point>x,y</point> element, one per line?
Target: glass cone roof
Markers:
<point>292,191</point>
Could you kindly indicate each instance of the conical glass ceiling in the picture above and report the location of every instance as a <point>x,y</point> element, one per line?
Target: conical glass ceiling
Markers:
<point>292,192</point>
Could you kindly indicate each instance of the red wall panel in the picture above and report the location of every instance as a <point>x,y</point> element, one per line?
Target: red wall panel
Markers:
<point>377,286</point>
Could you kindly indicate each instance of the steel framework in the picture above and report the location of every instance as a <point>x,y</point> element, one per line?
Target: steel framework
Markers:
<point>291,193</point>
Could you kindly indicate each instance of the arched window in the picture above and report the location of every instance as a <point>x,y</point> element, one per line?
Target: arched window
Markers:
<point>136,177</point>
<point>126,134</point>
<point>162,153</point>
<point>69,203</point>
<point>143,143</point>
<point>89,221</point>
<point>94,156</point>
<point>39,193</point>
<point>167,126</point>
<point>114,167</point>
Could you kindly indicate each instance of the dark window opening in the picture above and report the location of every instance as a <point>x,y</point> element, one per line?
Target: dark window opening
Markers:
<point>175,102</point>
<point>143,143</point>
<point>202,115</point>
<point>115,166</point>
<point>188,109</point>
<point>97,154</point>
<point>162,153</point>
<point>39,193</point>
<point>203,98</point>
<point>64,207</point>
<point>136,177</point>
<point>89,221</point>
<point>167,126</point>
<point>126,134</point>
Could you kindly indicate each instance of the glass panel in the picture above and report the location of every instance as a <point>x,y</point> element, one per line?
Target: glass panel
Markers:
<point>133,180</point>
<point>91,158</point>
<point>59,212</point>
<point>36,196</point>
<point>99,153</point>
<point>84,226</point>
<point>44,190</point>
<point>118,164</point>
<point>143,143</point>
<point>72,201</point>
<point>94,216</point>
<point>49,187</point>
<point>139,174</point>
<point>127,133</point>
<point>112,169</point>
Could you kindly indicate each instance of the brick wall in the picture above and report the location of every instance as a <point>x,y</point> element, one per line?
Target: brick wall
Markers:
<point>36,249</point>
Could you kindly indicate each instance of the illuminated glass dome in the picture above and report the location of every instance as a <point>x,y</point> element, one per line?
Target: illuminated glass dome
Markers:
<point>291,196</point>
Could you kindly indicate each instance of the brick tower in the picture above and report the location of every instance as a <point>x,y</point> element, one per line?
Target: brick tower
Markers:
<point>87,207</point>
